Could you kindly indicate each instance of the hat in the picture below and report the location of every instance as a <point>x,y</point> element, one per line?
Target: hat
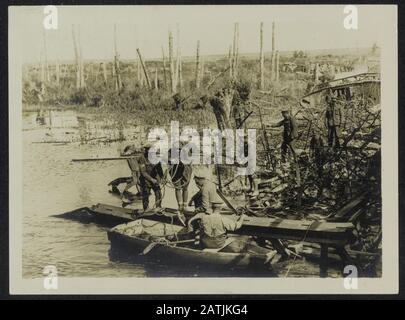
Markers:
<point>285,110</point>
<point>201,173</point>
<point>146,145</point>
<point>130,150</point>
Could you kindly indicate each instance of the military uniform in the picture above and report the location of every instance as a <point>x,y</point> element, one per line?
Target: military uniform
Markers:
<point>333,119</point>
<point>290,133</point>
<point>149,171</point>
<point>213,229</point>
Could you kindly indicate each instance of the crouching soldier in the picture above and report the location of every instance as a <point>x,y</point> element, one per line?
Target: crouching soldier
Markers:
<point>126,196</point>
<point>150,176</point>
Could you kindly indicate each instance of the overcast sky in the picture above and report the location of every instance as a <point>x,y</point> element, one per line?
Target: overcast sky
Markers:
<point>297,28</point>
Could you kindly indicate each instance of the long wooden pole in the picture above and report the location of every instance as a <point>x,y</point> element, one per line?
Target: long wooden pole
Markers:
<point>144,69</point>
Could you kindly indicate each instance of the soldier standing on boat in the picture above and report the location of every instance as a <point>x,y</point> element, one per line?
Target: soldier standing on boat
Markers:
<point>180,175</point>
<point>290,133</point>
<point>150,176</point>
<point>333,120</point>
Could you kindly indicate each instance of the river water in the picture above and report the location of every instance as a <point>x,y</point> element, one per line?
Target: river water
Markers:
<point>53,184</point>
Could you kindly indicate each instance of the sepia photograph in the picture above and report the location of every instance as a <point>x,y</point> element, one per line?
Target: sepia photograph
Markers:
<point>241,149</point>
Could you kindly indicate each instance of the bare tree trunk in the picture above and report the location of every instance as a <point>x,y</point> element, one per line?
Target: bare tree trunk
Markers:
<point>138,71</point>
<point>105,73</point>
<point>144,69</point>
<point>273,53</point>
<point>43,76</point>
<point>277,65</point>
<point>118,83</point>
<point>180,79</point>
<point>57,71</point>
<point>177,67</point>
<point>81,65</point>
<point>77,58</point>
<point>156,80</point>
<point>197,66</point>
<point>164,69</point>
<point>230,59</point>
<point>47,77</point>
<point>261,58</point>
<point>202,69</point>
<point>235,50</point>
<point>171,66</point>
<point>273,66</point>
<point>316,73</point>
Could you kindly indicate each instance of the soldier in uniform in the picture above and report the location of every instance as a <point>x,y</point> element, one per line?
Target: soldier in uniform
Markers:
<point>333,120</point>
<point>150,176</point>
<point>290,133</point>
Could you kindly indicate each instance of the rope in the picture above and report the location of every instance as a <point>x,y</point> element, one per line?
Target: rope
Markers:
<point>295,256</point>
